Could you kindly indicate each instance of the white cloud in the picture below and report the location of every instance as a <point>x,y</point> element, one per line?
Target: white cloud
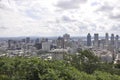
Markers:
<point>56,17</point>
<point>70,4</point>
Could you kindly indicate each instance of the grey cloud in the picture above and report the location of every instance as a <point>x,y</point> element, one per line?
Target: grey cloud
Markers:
<point>5,5</point>
<point>105,8</point>
<point>3,27</point>
<point>83,27</point>
<point>2,6</point>
<point>93,27</point>
<point>115,27</point>
<point>70,4</point>
<point>115,17</point>
<point>67,19</point>
<point>109,9</point>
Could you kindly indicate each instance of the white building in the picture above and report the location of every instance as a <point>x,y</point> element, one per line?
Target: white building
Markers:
<point>58,54</point>
<point>104,55</point>
<point>117,59</point>
<point>46,46</point>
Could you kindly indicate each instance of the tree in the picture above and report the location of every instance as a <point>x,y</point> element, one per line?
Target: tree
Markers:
<point>84,61</point>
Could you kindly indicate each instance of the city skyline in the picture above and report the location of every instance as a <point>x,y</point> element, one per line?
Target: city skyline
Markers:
<point>57,17</point>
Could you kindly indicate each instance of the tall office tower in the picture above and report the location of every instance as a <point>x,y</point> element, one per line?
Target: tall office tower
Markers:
<point>37,41</point>
<point>107,39</point>
<point>44,40</point>
<point>112,39</point>
<point>112,46</point>
<point>27,40</point>
<point>67,42</point>
<point>66,37</point>
<point>46,46</point>
<point>102,44</point>
<point>9,44</point>
<point>23,40</point>
<point>60,42</point>
<point>96,40</point>
<point>116,42</point>
<point>89,40</point>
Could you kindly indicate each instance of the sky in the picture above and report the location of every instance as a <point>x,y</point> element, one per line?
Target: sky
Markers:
<point>57,17</point>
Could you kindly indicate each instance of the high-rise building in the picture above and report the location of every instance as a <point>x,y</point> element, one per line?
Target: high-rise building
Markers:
<point>112,46</point>
<point>117,42</point>
<point>102,44</point>
<point>66,37</point>
<point>107,39</point>
<point>96,40</point>
<point>9,44</point>
<point>46,46</point>
<point>37,41</point>
<point>67,41</point>
<point>44,40</point>
<point>27,40</point>
<point>112,39</point>
<point>60,42</point>
<point>89,40</point>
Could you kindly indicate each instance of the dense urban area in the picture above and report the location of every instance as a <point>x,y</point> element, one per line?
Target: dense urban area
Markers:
<point>63,58</point>
<point>106,48</point>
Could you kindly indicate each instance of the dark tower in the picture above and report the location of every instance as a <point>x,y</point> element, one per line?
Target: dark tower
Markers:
<point>89,40</point>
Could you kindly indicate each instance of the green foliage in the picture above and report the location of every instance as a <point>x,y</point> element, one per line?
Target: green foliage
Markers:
<point>105,76</point>
<point>74,67</point>
<point>84,61</point>
<point>117,66</point>
<point>87,62</point>
<point>20,68</point>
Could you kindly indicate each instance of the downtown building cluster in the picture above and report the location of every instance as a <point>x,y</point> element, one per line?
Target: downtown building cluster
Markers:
<point>107,48</point>
<point>107,42</point>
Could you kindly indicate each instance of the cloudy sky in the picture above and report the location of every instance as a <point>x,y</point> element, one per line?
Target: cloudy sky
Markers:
<point>57,17</point>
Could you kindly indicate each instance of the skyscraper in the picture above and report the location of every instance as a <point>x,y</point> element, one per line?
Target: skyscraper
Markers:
<point>60,42</point>
<point>112,39</point>
<point>27,40</point>
<point>66,37</point>
<point>107,39</point>
<point>88,39</point>
<point>96,40</point>
<point>112,46</point>
<point>116,42</point>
